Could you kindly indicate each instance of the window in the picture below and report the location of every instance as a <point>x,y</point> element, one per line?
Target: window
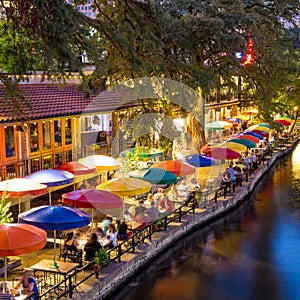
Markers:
<point>47,162</point>
<point>35,164</point>
<point>69,156</point>
<point>46,135</point>
<point>57,133</point>
<point>9,141</point>
<point>57,159</point>
<point>68,131</point>
<point>34,137</point>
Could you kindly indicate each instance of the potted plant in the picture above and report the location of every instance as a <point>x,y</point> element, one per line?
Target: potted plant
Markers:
<point>101,260</point>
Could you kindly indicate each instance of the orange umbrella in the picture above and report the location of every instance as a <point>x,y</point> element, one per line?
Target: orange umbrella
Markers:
<point>177,167</point>
<point>18,239</point>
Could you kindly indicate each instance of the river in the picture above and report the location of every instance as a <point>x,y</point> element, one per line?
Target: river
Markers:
<point>251,253</point>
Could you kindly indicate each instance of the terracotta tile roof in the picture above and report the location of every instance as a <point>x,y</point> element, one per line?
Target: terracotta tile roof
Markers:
<point>49,100</point>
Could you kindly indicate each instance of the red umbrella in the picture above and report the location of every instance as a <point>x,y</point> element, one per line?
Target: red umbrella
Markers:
<point>18,239</point>
<point>260,132</point>
<point>76,168</point>
<point>223,153</point>
<point>283,122</point>
<point>247,137</point>
<point>90,198</point>
<point>177,167</point>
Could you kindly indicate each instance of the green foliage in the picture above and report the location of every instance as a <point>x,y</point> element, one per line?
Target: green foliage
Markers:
<point>5,214</point>
<point>102,258</point>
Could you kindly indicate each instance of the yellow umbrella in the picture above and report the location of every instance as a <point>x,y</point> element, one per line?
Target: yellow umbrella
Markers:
<point>101,162</point>
<point>125,186</point>
<point>244,118</point>
<point>234,146</point>
<point>259,127</point>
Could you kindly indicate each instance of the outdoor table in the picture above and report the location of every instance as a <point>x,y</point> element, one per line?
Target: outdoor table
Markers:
<point>45,266</point>
<point>134,226</point>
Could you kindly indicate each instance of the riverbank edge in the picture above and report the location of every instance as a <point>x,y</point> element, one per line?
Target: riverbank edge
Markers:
<point>118,273</point>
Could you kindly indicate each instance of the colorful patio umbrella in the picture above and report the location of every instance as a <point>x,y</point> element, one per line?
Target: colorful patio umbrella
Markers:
<point>260,132</point>
<point>282,121</point>
<point>247,137</point>
<point>20,187</point>
<point>125,186</point>
<point>259,127</point>
<point>223,153</point>
<point>199,160</point>
<point>179,168</point>
<point>245,142</point>
<point>91,198</point>
<point>152,153</point>
<point>154,176</point>
<point>18,239</point>
<point>101,162</point>
<point>55,218</point>
<point>218,125</point>
<point>76,168</point>
<point>52,178</point>
<point>254,134</point>
<point>234,120</point>
<point>234,146</point>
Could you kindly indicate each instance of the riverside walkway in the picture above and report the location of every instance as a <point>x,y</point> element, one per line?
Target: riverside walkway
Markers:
<point>113,276</point>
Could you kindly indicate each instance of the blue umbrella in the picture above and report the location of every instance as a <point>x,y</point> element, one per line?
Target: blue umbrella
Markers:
<point>52,178</point>
<point>253,134</point>
<point>199,160</point>
<point>154,176</point>
<point>55,218</point>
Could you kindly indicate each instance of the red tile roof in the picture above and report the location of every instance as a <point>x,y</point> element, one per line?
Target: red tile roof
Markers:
<point>49,100</point>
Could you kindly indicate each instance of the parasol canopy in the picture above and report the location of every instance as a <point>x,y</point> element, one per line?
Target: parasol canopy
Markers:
<point>284,121</point>
<point>245,142</point>
<point>199,160</point>
<point>259,127</point>
<point>125,186</point>
<point>259,132</point>
<point>18,239</point>
<point>234,146</point>
<point>247,137</point>
<point>154,176</point>
<point>76,168</point>
<point>218,125</point>
<point>179,168</point>
<point>55,218</point>
<point>101,162</point>
<point>223,153</point>
<point>90,198</point>
<point>20,187</point>
<point>253,134</point>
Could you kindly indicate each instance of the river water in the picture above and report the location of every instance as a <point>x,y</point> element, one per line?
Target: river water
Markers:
<point>252,253</point>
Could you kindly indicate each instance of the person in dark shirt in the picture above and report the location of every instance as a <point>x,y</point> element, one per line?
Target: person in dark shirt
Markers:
<point>91,247</point>
<point>122,231</point>
<point>140,209</point>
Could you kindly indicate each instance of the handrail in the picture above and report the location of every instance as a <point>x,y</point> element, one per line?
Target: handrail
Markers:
<point>137,238</point>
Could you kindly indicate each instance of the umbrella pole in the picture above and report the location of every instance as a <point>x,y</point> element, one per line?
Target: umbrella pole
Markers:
<point>92,223</point>
<point>49,197</point>
<point>5,272</point>
<point>19,204</point>
<point>54,266</point>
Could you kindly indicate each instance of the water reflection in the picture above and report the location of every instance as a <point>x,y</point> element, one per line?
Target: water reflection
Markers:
<point>253,253</point>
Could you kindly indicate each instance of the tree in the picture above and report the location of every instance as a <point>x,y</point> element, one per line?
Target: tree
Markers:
<point>5,214</point>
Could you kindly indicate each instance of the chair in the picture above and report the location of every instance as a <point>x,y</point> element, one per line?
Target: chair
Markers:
<point>71,253</point>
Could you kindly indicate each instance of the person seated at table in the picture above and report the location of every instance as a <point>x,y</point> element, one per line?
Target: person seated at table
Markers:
<point>165,205</point>
<point>29,285</point>
<point>194,186</point>
<point>182,189</point>
<point>140,209</point>
<point>91,247</point>
<point>106,222</point>
<point>149,199</point>
<point>153,212</point>
<point>122,231</point>
<point>4,292</point>
<point>111,236</point>
<point>71,241</point>
<point>173,192</point>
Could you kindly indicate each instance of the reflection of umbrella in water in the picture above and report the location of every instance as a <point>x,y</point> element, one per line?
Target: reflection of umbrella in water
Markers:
<point>154,176</point>
<point>90,198</point>
<point>55,218</point>
<point>52,178</point>
<point>20,187</point>
<point>18,239</point>
<point>177,167</point>
<point>142,218</point>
